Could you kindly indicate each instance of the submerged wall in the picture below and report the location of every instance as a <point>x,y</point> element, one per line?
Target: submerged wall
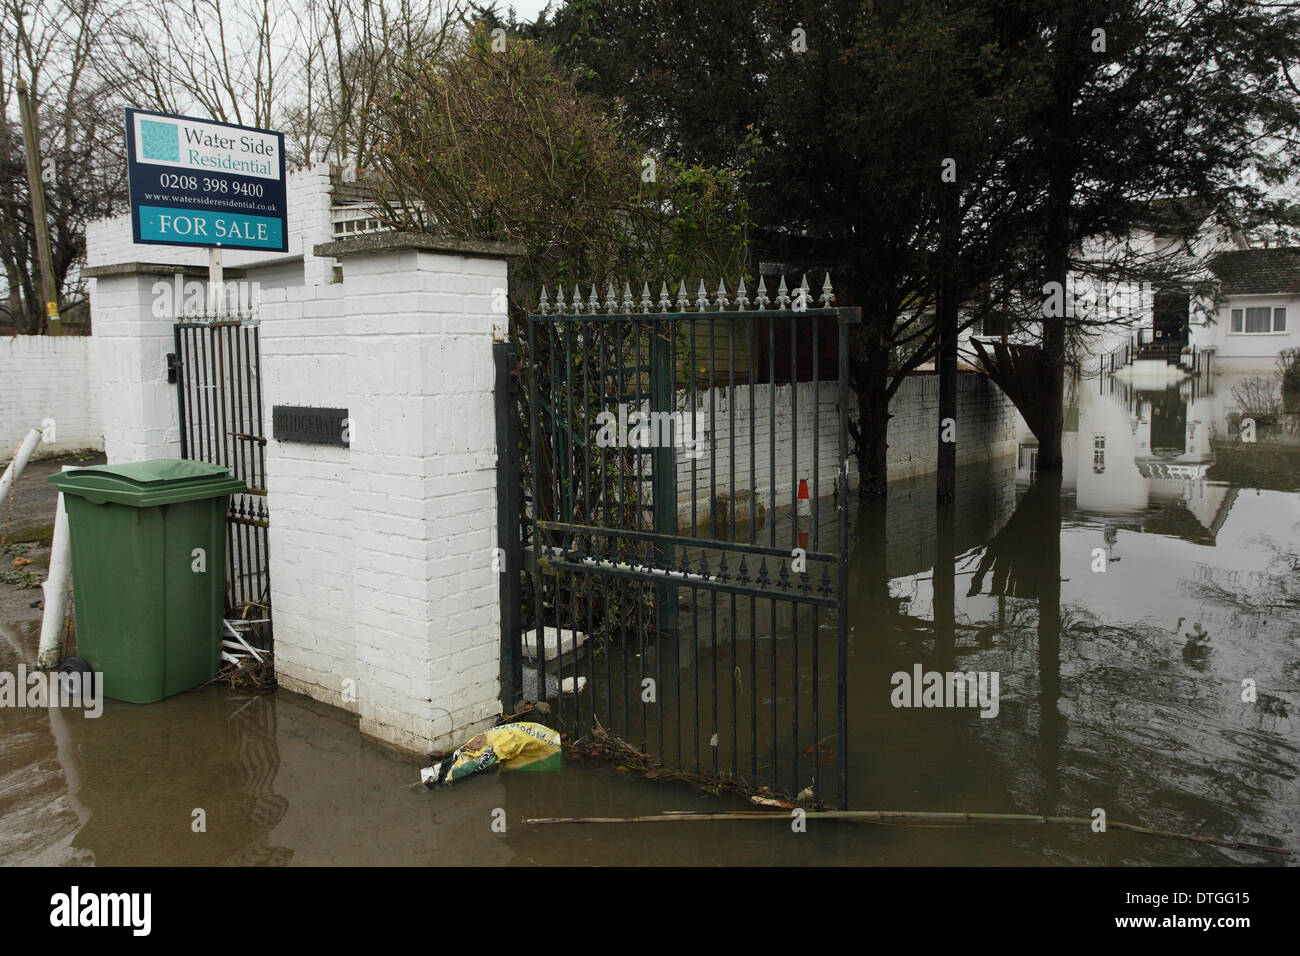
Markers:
<point>807,418</point>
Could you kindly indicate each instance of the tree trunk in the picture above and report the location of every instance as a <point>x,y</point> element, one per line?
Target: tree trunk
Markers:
<point>870,384</point>
<point>869,571</point>
<point>946,363</point>
<point>1048,559</point>
<point>944,608</point>
<point>1053,355</point>
<point>1060,161</point>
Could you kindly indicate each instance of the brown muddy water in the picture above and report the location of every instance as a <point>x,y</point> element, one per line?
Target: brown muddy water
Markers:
<point>1119,689</point>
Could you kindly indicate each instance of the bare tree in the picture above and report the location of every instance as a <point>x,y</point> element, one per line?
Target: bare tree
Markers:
<point>56,50</point>
<point>313,71</point>
<point>354,50</point>
<point>226,59</point>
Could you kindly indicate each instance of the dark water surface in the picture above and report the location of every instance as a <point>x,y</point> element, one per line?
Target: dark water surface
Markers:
<point>1119,690</point>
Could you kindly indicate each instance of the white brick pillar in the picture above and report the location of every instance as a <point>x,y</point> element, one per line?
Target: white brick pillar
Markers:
<point>418,321</point>
<point>309,498</point>
<point>130,392</point>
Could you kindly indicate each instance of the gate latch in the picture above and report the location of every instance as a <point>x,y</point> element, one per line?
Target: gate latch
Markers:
<point>173,368</point>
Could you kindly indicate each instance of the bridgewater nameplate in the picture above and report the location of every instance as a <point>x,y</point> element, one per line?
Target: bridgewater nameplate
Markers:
<point>317,426</point>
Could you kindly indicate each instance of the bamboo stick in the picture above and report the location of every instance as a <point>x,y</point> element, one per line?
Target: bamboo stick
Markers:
<point>909,818</point>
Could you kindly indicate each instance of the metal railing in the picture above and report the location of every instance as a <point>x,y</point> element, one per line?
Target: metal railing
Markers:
<point>1145,345</point>
<point>654,577</point>
<point>217,371</point>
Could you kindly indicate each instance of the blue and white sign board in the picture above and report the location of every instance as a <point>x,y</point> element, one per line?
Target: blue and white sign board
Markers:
<point>200,183</point>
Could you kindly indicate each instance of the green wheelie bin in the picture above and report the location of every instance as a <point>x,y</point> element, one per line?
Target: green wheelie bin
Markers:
<point>148,545</point>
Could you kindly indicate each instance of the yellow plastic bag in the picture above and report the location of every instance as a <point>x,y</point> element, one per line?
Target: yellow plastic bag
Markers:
<point>510,746</point>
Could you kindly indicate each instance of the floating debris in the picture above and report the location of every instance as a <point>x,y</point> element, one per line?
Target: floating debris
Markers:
<point>909,818</point>
<point>516,746</point>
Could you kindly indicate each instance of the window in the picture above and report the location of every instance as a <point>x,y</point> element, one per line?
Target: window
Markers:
<point>1099,454</point>
<point>1258,320</point>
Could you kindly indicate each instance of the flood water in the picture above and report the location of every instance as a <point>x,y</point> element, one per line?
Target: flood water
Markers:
<point>1119,689</point>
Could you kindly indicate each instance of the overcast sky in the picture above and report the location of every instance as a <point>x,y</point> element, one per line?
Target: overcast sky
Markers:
<point>528,9</point>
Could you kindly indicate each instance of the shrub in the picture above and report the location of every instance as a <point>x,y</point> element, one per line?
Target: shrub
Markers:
<point>1257,398</point>
<point>1288,370</point>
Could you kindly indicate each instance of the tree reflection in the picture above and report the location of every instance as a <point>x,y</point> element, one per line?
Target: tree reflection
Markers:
<point>1024,560</point>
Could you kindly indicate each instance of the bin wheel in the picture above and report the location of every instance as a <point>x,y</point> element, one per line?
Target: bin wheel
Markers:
<point>73,665</point>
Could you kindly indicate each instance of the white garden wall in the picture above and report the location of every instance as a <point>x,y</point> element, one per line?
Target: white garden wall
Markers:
<point>985,431</point>
<point>381,563</point>
<point>129,343</point>
<point>381,553</point>
<point>46,378</point>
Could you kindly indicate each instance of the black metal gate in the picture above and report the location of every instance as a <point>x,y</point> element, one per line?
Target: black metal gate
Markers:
<point>686,596</point>
<point>217,371</point>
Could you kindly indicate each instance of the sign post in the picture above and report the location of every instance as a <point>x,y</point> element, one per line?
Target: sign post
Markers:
<point>216,281</point>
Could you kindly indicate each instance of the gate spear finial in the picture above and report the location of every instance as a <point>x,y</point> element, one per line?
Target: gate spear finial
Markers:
<point>742,297</point>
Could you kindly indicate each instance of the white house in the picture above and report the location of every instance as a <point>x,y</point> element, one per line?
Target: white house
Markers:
<point>1258,311</point>
<point>1148,323</point>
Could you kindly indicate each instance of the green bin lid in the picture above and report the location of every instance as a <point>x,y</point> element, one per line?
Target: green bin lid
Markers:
<point>143,484</point>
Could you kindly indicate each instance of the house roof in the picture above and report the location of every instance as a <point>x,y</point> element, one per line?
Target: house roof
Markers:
<point>1175,216</point>
<point>349,190</point>
<point>1258,271</point>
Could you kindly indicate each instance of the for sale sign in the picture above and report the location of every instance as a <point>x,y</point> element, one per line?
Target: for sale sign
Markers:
<point>196,182</point>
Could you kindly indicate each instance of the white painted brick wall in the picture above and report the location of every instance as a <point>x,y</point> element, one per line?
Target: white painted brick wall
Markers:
<point>130,393</point>
<point>44,377</point>
<point>985,430</point>
<point>985,424</point>
<point>311,559</point>
<point>381,553</point>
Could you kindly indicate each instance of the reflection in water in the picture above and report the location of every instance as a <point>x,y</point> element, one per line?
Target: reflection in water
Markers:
<point>1047,505</point>
<point>1138,667</point>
